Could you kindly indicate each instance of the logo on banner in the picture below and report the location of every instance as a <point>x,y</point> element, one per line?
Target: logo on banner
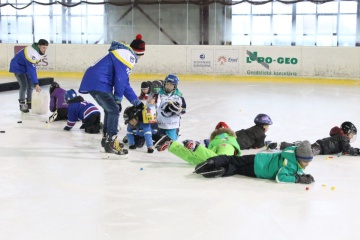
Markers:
<point>266,61</point>
<point>202,62</point>
<point>222,60</point>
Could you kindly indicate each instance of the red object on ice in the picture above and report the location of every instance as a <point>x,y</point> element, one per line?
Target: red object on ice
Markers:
<point>307,188</point>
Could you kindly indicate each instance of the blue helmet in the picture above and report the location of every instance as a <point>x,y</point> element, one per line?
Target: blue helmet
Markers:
<point>70,95</point>
<point>172,78</point>
<point>262,119</point>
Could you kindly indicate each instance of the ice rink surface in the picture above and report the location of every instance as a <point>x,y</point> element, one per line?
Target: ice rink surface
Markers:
<point>54,185</point>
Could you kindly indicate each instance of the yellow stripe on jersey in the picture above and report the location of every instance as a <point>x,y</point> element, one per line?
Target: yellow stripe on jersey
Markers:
<point>125,57</point>
<point>28,55</point>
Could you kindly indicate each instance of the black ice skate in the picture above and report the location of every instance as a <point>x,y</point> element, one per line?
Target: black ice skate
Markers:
<point>284,145</point>
<point>103,140</point>
<point>23,107</point>
<point>204,166</point>
<point>163,143</point>
<point>218,172</point>
<point>113,146</point>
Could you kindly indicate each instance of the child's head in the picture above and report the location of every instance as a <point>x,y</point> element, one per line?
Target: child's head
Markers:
<point>350,130</point>
<point>170,83</point>
<point>132,116</point>
<point>304,154</point>
<point>53,86</point>
<point>69,95</point>
<point>145,86</point>
<point>263,120</point>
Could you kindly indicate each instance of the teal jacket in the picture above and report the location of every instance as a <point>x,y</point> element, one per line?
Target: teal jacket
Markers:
<point>280,166</point>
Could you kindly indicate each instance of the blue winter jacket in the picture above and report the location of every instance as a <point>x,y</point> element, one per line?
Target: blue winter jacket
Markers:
<point>111,75</point>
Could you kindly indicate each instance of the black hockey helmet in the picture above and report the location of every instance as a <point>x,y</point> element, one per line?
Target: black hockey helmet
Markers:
<point>348,128</point>
<point>262,119</point>
<point>131,113</point>
<point>53,86</point>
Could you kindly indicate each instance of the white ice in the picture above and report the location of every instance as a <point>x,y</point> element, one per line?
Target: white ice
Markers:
<point>54,185</point>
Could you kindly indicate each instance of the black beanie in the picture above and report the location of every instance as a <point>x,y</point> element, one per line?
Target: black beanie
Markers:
<point>43,42</point>
<point>138,45</point>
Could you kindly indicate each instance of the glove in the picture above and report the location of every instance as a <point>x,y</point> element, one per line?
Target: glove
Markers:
<point>150,150</point>
<point>138,104</point>
<point>305,178</point>
<point>272,145</point>
<point>206,142</point>
<point>66,128</point>
<point>354,151</point>
<point>175,107</point>
<point>132,147</point>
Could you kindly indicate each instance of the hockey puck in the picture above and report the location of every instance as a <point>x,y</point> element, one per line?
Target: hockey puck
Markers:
<point>19,122</point>
<point>2,131</point>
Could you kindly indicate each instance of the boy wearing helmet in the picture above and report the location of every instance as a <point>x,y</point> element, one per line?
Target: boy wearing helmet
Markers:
<point>338,142</point>
<point>254,137</point>
<point>285,167</point>
<point>222,142</point>
<point>171,106</point>
<point>138,132</point>
<point>58,105</point>
<point>23,65</point>
<point>79,109</point>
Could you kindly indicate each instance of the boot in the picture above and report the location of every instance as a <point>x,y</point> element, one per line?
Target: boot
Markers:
<point>284,145</point>
<point>163,143</point>
<point>23,107</point>
<point>103,140</point>
<point>191,145</point>
<point>28,103</point>
<point>205,166</point>
<point>112,146</point>
<point>316,148</point>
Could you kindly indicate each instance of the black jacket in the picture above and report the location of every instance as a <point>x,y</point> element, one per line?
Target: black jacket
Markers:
<point>253,137</point>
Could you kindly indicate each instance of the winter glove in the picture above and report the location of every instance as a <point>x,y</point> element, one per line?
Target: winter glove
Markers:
<point>206,142</point>
<point>132,147</point>
<point>175,107</point>
<point>272,145</point>
<point>138,104</point>
<point>150,150</point>
<point>66,128</point>
<point>305,178</point>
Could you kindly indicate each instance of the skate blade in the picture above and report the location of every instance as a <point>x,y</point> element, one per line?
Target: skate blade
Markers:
<point>112,156</point>
<point>210,172</point>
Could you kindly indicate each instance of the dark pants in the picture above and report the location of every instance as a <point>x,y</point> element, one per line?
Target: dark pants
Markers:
<point>243,165</point>
<point>61,114</point>
<point>92,123</point>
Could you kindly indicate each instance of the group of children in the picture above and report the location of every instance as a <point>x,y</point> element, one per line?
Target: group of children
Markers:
<point>155,117</point>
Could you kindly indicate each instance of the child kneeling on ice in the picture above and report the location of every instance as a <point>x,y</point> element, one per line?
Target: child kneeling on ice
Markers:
<point>284,167</point>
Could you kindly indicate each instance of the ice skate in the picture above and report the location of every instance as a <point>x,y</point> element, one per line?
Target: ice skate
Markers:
<point>204,166</point>
<point>113,146</point>
<point>214,173</point>
<point>163,143</point>
<point>284,145</point>
<point>270,145</point>
<point>53,117</point>
<point>191,145</point>
<point>23,107</point>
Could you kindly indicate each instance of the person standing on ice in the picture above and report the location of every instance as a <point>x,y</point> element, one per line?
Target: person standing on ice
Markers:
<point>23,65</point>
<point>107,81</point>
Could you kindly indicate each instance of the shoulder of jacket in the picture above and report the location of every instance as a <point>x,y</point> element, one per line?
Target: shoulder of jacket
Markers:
<point>124,56</point>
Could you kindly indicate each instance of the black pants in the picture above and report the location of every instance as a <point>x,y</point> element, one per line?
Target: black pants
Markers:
<point>243,165</point>
<point>62,114</point>
<point>92,123</point>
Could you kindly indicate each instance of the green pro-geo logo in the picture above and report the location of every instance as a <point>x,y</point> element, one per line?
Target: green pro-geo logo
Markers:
<point>265,61</point>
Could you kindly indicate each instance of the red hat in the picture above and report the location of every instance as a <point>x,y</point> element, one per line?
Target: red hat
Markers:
<point>138,45</point>
<point>221,125</point>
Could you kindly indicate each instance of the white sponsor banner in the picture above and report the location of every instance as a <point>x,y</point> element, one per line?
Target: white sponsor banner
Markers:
<point>283,61</point>
<point>227,61</point>
<point>202,61</point>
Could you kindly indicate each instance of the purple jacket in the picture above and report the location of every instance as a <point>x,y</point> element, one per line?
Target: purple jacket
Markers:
<point>57,99</point>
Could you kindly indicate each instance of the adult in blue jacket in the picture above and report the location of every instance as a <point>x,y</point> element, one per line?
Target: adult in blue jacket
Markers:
<point>107,81</point>
<point>23,65</point>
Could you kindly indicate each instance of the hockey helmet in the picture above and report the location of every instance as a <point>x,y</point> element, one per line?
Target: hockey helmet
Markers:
<point>131,113</point>
<point>173,79</point>
<point>70,94</point>
<point>262,119</point>
<point>348,128</point>
<point>53,86</point>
